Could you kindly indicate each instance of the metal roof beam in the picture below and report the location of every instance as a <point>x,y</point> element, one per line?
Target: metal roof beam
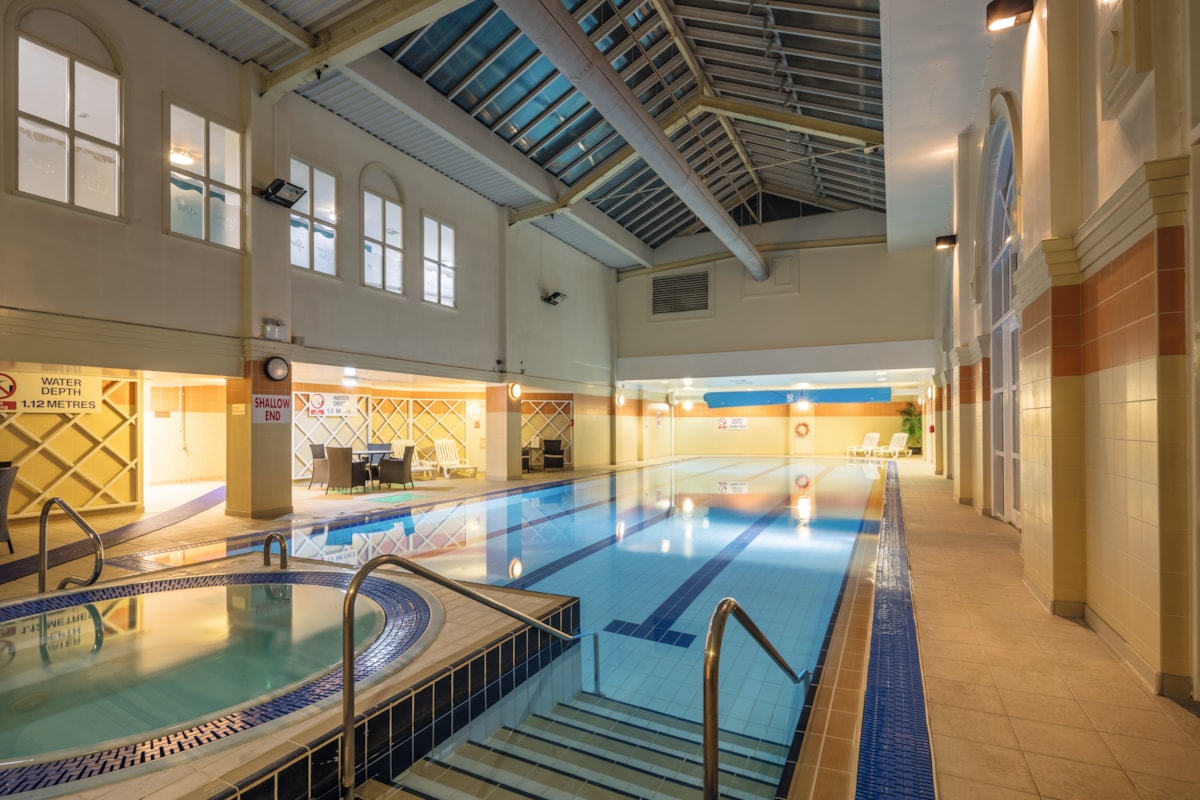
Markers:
<point>363,32</point>
<point>276,22</point>
<point>789,121</point>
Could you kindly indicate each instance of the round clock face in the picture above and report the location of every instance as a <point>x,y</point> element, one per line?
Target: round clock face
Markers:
<point>276,368</point>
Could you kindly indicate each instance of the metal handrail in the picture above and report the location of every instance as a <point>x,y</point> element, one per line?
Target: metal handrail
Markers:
<point>43,551</point>
<point>275,536</point>
<point>712,664</point>
<point>347,791</point>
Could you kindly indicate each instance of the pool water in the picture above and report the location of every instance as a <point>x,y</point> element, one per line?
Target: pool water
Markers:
<point>95,675</point>
<point>651,552</point>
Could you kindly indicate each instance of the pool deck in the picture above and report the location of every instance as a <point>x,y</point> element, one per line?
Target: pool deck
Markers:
<point>1020,703</point>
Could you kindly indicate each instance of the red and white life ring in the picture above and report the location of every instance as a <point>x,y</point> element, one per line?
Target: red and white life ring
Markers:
<point>802,482</point>
<point>802,429</point>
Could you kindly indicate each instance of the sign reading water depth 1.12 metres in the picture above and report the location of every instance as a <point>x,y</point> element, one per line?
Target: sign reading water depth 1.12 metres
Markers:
<point>44,393</point>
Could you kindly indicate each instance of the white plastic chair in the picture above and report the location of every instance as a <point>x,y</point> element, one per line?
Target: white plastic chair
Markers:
<point>896,448</point>
<point>449,461</point>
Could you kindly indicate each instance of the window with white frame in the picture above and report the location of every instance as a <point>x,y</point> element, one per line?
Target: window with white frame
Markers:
<point>438,269</point>
<point>205,179</point>
<point>314,220</point>
<point>383,243</point>
<point>68,128</point>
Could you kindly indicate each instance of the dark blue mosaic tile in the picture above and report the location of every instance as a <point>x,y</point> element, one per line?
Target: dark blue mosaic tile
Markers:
<point>894,755</point>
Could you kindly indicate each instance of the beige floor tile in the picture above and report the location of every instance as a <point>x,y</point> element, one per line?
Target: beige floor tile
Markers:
<point>1154,787</point>
<point>998,766</point>
<point>1153,725</point>
<point>1044,708</point>
<point>935,649</point>
<point>1062,779</point>
<point>1075,744</point>
<point>1124,693</point>
<point>1024,680</point>
<point>963,671</point>
<point>1155,758</point>
<point>952,787</point>
<point>963,695</point>
<point>1018,659</point>
<point>977,726</point>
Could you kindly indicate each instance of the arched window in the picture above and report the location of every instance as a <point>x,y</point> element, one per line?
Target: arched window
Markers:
<point>1001,248</point>
<point>383,232</point>
<point>68,121</point>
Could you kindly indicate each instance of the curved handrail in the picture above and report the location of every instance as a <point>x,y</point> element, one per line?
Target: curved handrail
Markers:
<point>44,554</point>
<point>275,536</point>
<point>347,790</point>
<point>712,664</point>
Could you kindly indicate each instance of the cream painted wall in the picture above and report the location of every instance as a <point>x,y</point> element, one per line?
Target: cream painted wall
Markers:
<point>187,447</point>
<point>571,341</point>
<point>77,264</point>
<point>658,426</point>
<point>590,441</point>
<point>841,295</point>
<point>763,436</point>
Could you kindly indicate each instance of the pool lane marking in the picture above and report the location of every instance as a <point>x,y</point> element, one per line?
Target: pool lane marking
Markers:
<point>657,626</point>
<point>527,580</point>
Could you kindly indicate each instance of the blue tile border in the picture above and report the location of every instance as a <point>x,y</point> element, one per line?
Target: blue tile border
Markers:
<point>894,757</point>
<point>406,615</point>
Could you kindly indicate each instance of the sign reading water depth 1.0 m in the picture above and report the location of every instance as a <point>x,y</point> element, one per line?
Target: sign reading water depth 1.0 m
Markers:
<point>41,393</point>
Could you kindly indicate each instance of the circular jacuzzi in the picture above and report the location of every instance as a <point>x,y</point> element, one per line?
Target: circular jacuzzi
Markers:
<point>94,680</point>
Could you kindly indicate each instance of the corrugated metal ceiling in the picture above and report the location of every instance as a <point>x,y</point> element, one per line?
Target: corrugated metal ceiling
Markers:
<point>775,105</point>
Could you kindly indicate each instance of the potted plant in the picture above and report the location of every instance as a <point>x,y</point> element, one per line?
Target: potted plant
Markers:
<point>910,423</point>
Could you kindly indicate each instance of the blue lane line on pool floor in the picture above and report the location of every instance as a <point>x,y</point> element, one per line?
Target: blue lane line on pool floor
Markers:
<point>894,755</point>
<point>657,626</point>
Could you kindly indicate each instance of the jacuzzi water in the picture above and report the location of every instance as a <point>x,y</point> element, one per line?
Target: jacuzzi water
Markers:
<point>98,674</point>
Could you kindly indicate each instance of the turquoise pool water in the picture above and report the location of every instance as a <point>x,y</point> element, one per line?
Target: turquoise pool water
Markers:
<point>94,675</point>
<point>650,552</point>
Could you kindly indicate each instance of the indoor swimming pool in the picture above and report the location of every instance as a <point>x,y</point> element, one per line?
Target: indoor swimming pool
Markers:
<point>651,552</point>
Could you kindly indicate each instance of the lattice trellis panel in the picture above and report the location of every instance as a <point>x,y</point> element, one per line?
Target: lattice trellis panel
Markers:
<point>549,419</point>
<point>389,420</point>
<point>89,460</point>
<point>438,419</point>
<point>352,431</point>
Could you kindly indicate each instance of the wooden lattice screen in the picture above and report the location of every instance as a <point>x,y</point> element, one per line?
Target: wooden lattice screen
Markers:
<point>88,460</point>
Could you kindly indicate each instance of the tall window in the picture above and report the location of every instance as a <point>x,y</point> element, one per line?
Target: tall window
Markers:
<point>439,262</point>
<point>68,129</point>
<point>383,243</point>
<point>1006,332</point>
<point>314,220</point>
<point>205,189</point>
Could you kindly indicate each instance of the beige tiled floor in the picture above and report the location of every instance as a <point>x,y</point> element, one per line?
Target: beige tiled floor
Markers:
<point>1021,703</point>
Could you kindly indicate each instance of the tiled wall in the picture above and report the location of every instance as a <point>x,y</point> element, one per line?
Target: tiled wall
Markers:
<point>1134,417</point>
<point>408,727</point>
<point>1103,455</point>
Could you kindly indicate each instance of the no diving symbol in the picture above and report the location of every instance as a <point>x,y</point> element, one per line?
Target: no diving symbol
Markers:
<point>7,386</point>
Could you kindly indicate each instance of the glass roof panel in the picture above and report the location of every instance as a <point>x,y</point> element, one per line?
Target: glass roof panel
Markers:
<point>495,73</point>
<point>471,52</point>
<point>518,92</point>
<point>442,35</point>
<point>527,113</point>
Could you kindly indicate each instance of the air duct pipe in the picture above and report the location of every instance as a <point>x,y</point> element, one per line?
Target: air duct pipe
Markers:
<point>558,36</point>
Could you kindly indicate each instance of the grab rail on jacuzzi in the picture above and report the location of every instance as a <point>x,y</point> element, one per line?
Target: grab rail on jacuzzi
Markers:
<point>712,671</point>
<point>44,550</point>
<point>275,536</point>
<point>440,580</point>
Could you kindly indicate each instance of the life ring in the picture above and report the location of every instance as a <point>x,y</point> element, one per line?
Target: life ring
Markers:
<point>802,429</point>
<point>802,482</point>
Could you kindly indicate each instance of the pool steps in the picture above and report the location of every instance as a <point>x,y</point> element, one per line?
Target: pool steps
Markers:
<point>590,747</point>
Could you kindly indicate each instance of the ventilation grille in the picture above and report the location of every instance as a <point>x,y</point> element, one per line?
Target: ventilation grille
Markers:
<point>673,294</point>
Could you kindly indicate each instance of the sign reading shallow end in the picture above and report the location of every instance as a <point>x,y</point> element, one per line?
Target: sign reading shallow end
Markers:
<point>274,408</point>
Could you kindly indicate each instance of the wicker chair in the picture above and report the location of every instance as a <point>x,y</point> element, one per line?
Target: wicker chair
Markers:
<point>8,476</point>
<point>397,470</point>
<point>320,466</point>
<point>344,471</point>
<point>553,457</point>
